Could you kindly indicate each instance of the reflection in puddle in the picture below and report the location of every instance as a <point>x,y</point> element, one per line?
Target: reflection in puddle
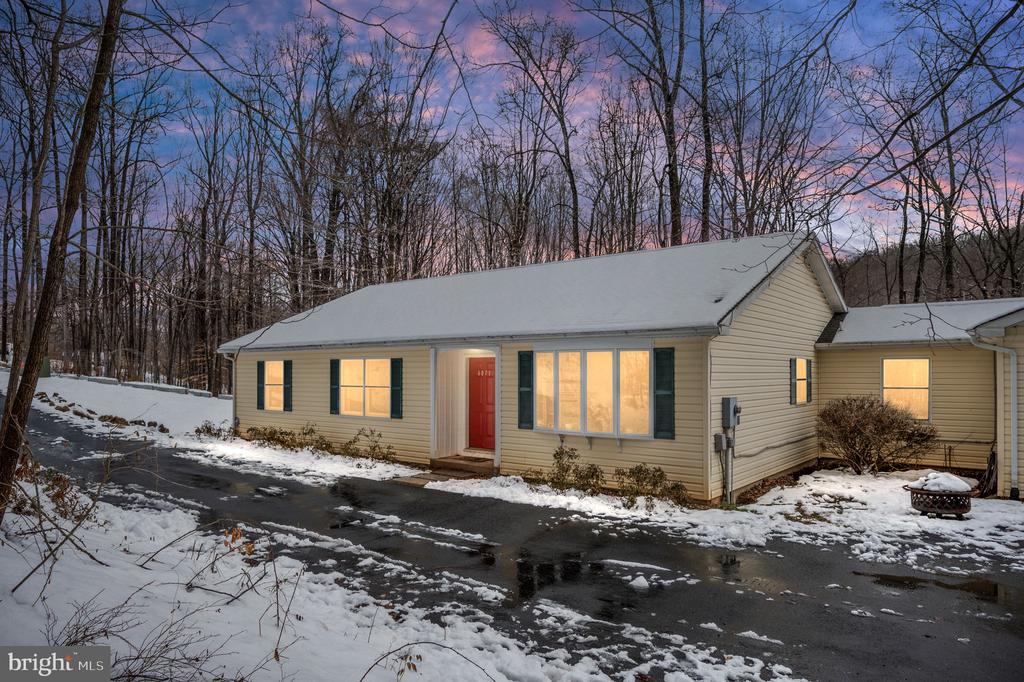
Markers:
<point>980,588</point>
<point>533,575</point>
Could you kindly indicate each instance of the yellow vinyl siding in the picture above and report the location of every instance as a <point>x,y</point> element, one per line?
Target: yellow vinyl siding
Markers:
<point>962,393</point>
<point>751,362</point>
<point>311,381</point>
<point>524,450</point>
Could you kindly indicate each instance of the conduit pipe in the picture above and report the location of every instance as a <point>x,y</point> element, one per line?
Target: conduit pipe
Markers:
<point>1014,469</point>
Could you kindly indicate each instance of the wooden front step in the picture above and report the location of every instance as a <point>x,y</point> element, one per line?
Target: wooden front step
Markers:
<point>476,465</point>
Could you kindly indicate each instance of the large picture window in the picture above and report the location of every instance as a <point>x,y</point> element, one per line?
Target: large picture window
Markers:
<point>273,385</point>
<point>907,382</point>
<point>366,387</point>
<point>598,392</point>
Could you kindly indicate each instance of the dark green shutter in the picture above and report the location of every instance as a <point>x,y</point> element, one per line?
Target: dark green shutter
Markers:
<point>810,380</point>
<point>526,389</point>
<point>792,381</point>
<point>287,385</point>
<point>396,388</point>
<point>260,383</point>
<point>665,393</point>
<point>335,374</point>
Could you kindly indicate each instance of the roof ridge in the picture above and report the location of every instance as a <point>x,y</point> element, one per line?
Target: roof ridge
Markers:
<point>646,251</point>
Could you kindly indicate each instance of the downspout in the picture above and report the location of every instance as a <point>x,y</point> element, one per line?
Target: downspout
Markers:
<point>234,389</point>
<point>1014,470</point>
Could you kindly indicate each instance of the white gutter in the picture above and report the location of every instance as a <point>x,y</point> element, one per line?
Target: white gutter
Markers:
<point>1014,470</point>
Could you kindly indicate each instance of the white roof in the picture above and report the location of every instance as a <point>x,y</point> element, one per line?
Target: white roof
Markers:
<point>690,287</point>
<point>948,321</point>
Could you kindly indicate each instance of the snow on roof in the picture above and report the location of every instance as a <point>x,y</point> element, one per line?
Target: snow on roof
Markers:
<point>916,322</point>
<point>689,287</point>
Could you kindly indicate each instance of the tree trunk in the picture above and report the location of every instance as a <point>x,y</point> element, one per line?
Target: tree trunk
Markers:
<point>17,407</point>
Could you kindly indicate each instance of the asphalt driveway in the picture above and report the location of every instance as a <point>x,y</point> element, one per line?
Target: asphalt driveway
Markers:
<point>559,581</point>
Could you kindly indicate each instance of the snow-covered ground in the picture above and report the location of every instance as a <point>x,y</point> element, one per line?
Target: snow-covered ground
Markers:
<point>869,514</point>
<point>180,415</point>
<point>281,620</point>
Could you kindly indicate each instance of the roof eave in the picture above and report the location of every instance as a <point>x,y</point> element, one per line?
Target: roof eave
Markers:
<point>692,331</point>
<point>847,345</point>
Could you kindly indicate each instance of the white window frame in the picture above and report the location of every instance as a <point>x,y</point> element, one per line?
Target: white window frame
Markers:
<point>267,385</point>
<point>342,385</point>
<point>583,394</point>
<point>882,386</point>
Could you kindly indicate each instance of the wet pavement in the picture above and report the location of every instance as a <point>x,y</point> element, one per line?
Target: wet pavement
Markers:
<point>561,581</point>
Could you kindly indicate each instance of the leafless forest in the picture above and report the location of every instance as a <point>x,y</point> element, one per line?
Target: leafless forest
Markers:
<point>163,192</point>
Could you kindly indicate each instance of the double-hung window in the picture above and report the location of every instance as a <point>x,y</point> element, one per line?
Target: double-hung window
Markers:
<point>366,387</point>
<point>273,385</point>
<point>593,392</point>
<point>799,381</point>
<point>906,382</point>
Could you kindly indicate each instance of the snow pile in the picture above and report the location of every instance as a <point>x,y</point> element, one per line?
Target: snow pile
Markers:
<point>180,415</point>
<point>871,515</point>
<point>286,620</point>
<point>941,481</point>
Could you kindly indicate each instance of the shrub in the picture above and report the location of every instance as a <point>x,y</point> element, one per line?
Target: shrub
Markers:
<point>565,460</point>
<point>649,482</point>
<point>373,449</point>
<point>67,502</point>
<point>870,435</point>
<point>208,429</point>
<point>307,437</point>
<point>567,472</point>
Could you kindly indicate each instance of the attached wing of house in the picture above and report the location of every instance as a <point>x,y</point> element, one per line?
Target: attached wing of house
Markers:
<point>626,358</point>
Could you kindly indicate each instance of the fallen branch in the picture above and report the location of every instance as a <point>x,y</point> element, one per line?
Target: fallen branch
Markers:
<point>426,642</point>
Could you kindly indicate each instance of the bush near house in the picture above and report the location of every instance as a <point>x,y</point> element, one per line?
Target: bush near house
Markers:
<point>365,444</point>
<point>641,480</point>
<point>649,482</point>
<point>306,437</point>
<point>567,472</point>
<point>373,449</point>
<point>870,435</point>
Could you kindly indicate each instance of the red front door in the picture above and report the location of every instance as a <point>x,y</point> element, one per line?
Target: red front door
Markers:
<point>481,403</point>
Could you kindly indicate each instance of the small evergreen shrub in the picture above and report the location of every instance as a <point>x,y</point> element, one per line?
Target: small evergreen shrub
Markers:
<point>649,482</point>
<point>567,472</point>
<point>870,435</point>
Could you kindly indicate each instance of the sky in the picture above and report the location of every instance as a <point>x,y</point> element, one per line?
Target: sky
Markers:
<point>870,26</point>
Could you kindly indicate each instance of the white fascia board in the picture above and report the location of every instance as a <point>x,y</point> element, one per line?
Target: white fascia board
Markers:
<point>704,330</point>
<point>853,345</point>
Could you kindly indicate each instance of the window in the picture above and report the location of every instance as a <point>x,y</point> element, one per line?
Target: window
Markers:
<point>545,404</point>
<point>599,392</point>
<point>273,385</point>
<point>366,387</point>
<point>634,392</point>
<point>907,382</point>
<point>800,381</point>
<point>570,392</point>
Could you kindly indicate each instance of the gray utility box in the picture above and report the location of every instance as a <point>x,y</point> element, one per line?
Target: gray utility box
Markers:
<point>731,412</point>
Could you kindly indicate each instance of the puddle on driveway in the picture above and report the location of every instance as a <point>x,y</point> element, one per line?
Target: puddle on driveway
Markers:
<point>979,588</point>
<point>533,574</point>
